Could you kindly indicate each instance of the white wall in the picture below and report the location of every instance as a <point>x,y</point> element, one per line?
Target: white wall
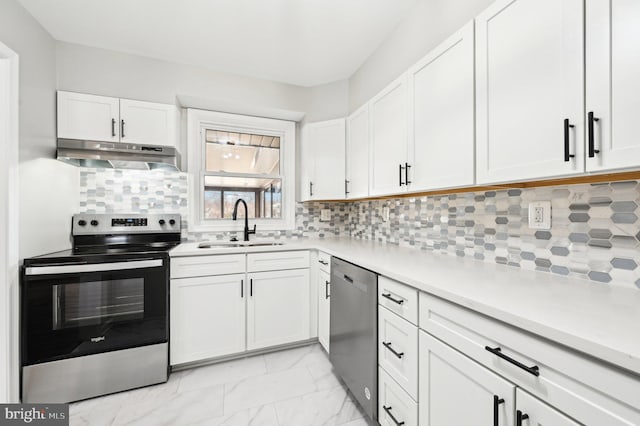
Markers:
<point>426,25</point>
<point>48,188</point>
<point>105,72</point>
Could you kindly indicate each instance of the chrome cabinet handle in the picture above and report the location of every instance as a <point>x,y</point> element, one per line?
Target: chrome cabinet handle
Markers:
<point>388,346</point>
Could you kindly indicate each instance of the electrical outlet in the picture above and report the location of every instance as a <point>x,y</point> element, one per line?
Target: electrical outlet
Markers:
<point>385,213</point>
<point>325,215</point>
<point>540,215</point>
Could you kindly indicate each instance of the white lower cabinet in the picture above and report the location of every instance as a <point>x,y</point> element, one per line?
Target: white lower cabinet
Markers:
<point>454,390</point>
<point>395,406</point>
<point>324,308</point>
<point>533,412</point>
<point>235,311</point>
<point>207,317</point>
<point>277,308</point>
<point>398,349</point>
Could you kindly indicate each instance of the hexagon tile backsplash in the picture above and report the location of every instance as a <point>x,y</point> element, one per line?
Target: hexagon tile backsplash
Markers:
<point>595,232</point>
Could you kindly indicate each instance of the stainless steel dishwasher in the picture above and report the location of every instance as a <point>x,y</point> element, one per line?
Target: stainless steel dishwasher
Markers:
<point>354,331</point>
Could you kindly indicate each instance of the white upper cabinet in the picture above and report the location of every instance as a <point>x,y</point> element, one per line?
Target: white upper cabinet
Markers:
<point>323,160</point>
<point>147,123</point>
<point>441,115</point>
<point>358,153</point>
<point>388,139</point>
<point>101,118</point>
<point>613,67</point>
<point>88,117</point>
<point>530,90</point>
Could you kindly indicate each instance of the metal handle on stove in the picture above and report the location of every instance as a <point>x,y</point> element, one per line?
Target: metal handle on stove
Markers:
<point>92,267</point>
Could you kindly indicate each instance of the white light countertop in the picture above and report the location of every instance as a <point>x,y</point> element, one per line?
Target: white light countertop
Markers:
<point>598,319</point>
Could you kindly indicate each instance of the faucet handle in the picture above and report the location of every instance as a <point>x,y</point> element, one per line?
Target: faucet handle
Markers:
<point>253,231</point>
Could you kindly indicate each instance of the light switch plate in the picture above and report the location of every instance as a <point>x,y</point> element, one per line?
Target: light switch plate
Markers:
<point>540,215</point>
<point>385,213</point>
<point>325,215</point>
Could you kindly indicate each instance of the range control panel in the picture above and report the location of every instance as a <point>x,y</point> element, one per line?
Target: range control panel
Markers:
<point>107,224</point>
<point>137,221</point>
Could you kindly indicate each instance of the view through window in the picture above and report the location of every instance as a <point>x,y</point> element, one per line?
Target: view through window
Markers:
<point>242,165</point>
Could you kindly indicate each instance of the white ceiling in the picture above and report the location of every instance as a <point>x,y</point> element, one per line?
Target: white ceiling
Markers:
<point>302,42</point>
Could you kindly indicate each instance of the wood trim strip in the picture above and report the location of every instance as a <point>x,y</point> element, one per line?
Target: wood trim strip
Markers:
<point>601,178</point>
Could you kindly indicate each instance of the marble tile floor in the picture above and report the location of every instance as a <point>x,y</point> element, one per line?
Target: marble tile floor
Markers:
<point>291,387</point>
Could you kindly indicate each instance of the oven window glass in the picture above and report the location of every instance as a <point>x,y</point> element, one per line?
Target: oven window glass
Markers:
<point>97,302</point>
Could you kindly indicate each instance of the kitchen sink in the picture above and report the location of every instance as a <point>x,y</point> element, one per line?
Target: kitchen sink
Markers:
<point>235,244</point>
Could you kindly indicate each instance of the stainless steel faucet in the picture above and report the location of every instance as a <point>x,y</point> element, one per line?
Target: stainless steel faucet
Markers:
<point>246,219</point>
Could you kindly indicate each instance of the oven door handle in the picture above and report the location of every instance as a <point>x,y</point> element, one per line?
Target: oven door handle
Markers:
<point>92,267</point>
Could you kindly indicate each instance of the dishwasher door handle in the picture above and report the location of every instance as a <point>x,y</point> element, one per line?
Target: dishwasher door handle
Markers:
<point>347,278</point>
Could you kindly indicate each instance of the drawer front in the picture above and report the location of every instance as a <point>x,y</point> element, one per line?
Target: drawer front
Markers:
<point>583,388</point>
<point>201,266</point>
<point>277,261</point>
<point>324,262</point>
<point>398,298</point>
<point>398,350</point>
<point>395,406</point>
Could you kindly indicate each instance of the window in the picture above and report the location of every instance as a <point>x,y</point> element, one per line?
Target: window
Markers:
<point>235,157</point>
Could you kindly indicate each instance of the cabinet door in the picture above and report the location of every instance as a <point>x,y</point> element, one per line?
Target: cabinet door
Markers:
<point>324,308</point>
<point>358,153</point>
<point>398,349</point>
<point>533,412</point>
<point>395,406</point>
<point>613,66</point>
<point>207,317</point>
<point>327,140</point>
<point>530,79</point>
<point>455,390</point>
<point>277,308</point>
<point>441,115</point>
<point>307,165</point>
<point>88,117</point>
<point>388,139</point>
<point>147,123</point>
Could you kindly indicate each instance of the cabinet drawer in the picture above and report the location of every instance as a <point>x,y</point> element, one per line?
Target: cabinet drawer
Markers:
<point>324,262</point>
<point>277,261</point>
<point>398,350</point>
<point>398,298</point>
<point>395,406</point>
<point>590,391</point>
<point>200,266</point>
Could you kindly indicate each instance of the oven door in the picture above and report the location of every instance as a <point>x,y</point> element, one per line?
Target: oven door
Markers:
<point>69,310</point>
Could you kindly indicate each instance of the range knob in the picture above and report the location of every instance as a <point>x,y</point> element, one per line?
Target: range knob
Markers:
<point>161,222</point>
<point>94,223</point>
<point>172,222</point>
<point>82,222</point>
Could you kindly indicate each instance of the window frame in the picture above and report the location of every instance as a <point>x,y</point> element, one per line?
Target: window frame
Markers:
<point>200,120</point>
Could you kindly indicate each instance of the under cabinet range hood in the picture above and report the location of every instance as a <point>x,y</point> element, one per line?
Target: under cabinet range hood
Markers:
<point>117,155</point>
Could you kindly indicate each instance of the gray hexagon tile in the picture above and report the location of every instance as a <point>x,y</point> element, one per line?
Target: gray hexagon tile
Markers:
<point>594,235</point>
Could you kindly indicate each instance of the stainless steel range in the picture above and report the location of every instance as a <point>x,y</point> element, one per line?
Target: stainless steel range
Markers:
<point>95,318</point>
